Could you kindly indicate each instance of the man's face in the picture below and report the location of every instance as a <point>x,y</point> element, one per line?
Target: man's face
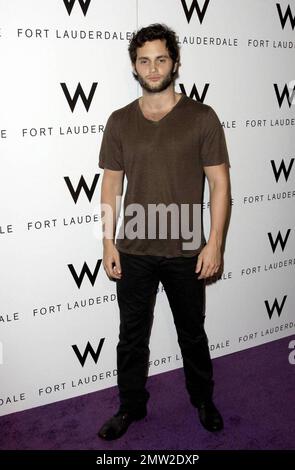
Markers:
<point>153,66</point>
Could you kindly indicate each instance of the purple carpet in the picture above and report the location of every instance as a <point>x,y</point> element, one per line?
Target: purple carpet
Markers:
<point>254,391</point>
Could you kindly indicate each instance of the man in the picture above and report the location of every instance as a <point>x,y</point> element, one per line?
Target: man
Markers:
<point>164,142</point>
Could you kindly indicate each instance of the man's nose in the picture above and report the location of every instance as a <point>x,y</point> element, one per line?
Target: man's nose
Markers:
<point>153,67</point>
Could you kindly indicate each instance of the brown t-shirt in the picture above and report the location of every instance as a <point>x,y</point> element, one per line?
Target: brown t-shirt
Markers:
<point>163,162</point>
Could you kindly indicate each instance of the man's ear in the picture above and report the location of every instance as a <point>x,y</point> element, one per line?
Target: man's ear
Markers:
<point>175,67</point>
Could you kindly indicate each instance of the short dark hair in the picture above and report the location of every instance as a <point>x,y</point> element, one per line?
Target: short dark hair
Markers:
<point>151,33</point>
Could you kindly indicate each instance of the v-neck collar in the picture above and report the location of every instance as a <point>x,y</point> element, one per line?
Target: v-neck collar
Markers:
<point>164,117</point>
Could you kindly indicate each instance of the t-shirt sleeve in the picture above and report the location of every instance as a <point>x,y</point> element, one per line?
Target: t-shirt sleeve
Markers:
<point>213,145</point>
<point>111,155</point>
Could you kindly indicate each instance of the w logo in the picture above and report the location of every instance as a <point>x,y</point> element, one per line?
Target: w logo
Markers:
<point>78,278</point>
<point>194,94</point>
<point>287,15</point>
<point>275,306</point>
<point>75,193</point>
<point>286,93</point>
<point>84,4</point>
<point>194,6</point>
<point>282,169</point>
<point>79,92</point>
<point>82,357</point>
<point>278,240</point>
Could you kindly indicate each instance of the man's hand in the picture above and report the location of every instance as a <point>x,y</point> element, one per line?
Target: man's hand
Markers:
<point>111,261</point>
<point>209,260</point>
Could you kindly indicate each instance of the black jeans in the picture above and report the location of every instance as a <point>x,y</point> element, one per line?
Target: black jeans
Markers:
<point>136,292</point>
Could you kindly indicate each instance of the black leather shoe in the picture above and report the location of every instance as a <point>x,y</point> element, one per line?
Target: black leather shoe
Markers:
<point>210,417</point>
<point>116,426</point>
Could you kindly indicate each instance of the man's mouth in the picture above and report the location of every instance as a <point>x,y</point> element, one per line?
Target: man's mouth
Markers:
<point>154,79</point>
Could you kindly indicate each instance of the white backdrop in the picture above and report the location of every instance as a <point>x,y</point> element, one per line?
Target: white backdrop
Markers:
<point>58,314</point>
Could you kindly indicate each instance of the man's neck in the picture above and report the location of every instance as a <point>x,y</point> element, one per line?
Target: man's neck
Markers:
<point>163,100</point>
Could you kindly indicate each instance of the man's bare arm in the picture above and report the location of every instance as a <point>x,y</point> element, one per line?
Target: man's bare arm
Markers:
<point>111,191</point>
<point>219,185</point>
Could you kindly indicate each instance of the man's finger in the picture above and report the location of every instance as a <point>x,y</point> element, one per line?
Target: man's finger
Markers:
<point>118,264</point>
<point>204,271</point>
<point>199,265</point>
<point>116,274</point>
<point>109,270</point>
